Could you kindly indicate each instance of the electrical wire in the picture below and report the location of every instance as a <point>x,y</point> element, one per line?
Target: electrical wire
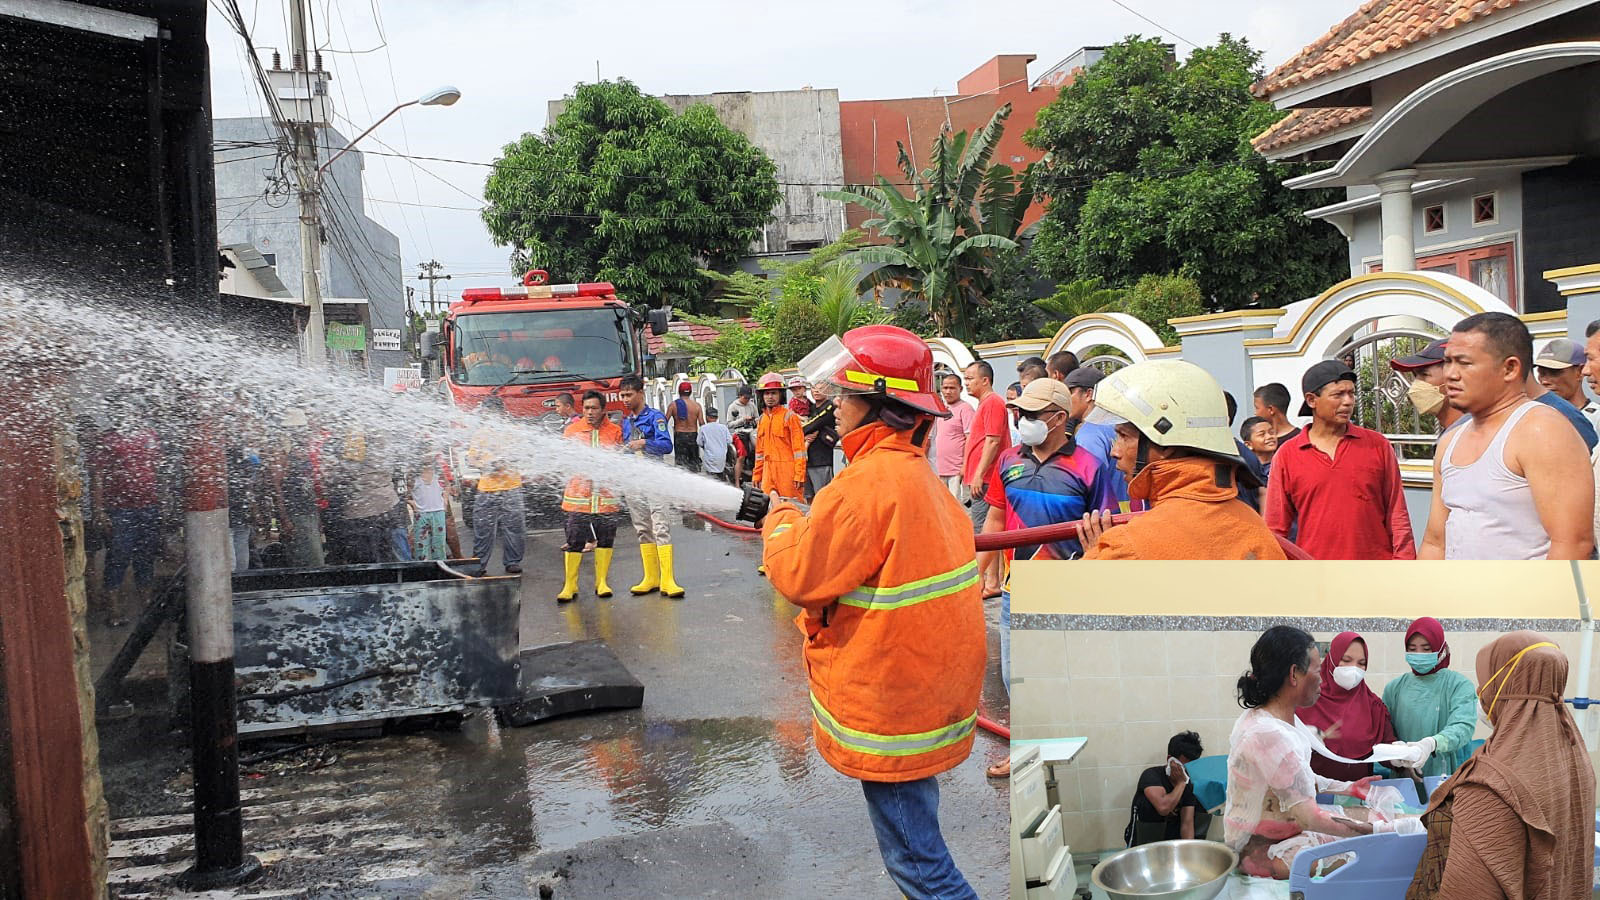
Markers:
<point>1155,23</point>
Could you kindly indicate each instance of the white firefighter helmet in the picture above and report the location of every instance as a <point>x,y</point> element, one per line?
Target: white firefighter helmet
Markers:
<point>1172,402</point>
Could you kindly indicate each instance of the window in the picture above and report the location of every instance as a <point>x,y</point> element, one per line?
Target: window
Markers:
<point>1433,219</point>
<point>1493,268</point>
<point>271,258</point>
<point>1483,210</point>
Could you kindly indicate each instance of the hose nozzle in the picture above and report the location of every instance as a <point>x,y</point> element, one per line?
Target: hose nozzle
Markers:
<point>753,508</point>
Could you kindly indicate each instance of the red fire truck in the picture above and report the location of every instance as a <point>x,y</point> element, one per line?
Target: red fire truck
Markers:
<point>527,345</point>
<point>531,343</point>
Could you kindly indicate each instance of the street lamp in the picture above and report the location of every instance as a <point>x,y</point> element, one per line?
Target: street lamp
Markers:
<point>444,96</point>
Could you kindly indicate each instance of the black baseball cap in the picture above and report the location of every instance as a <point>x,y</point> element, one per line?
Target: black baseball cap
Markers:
<point>1431,355</point>
<point>1320,376</point>
<point>1084,377</point>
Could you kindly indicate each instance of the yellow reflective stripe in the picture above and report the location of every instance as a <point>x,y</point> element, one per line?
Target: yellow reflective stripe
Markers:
<point>892,744</point>
<point>904,384</point>
<point>781,529</point>
<point>914,592</point>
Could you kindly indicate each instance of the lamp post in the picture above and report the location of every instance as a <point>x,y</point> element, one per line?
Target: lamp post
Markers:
<point>311,219</point>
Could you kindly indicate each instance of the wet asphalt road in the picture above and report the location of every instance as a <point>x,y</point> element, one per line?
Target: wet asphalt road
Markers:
<point>711,789</point>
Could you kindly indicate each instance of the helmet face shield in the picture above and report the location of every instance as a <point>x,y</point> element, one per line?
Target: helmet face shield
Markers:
<point>827,365</point>
<point>1102,416</point>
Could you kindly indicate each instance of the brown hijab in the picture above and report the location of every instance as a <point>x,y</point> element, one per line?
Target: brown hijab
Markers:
<point>1536,766</point>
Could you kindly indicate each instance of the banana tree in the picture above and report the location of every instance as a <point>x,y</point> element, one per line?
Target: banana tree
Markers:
<point>945,236</point>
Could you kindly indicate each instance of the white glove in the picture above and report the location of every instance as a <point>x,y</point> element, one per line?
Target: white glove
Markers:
<point>1427,745</point>
<point>1403,825</point>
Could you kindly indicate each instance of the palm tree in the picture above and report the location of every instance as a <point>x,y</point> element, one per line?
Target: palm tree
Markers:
<point>840,302</point>
<point>1079,298</point>
<point>945,237</point>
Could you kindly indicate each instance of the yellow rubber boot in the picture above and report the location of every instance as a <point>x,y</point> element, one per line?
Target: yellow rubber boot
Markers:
<point>602,565</point>
<point>669,585</point>
<point>762,570</point>
<point>569,591</point>
<point>652,571</point>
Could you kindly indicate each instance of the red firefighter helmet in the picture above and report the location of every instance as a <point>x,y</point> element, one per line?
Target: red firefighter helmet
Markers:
<point>771,381</point>
<point>878,359</point>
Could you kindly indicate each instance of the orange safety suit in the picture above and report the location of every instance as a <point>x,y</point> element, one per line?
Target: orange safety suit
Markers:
<point>780,453</point>
<point>1191,516</point>
<point>886,573</point>
<point>581,496</point>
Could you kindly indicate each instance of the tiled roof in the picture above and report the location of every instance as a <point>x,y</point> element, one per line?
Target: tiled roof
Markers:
<point>1378,27</point>
<point>1303,124</point>
<point>700,334</point>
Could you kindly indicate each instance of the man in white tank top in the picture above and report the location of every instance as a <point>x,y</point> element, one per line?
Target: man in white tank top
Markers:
<point>1513,482</point>
<point>1591,374</point>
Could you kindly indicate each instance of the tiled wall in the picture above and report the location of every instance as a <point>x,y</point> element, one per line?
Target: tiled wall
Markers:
<point>1129,691</point>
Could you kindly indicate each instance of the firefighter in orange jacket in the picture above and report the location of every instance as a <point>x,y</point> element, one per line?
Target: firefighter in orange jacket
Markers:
<point>780,442</point>
<point>591,511</point>
<point>885,572</point>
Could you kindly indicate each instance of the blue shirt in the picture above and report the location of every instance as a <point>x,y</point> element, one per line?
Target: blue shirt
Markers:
<point>1579,420</point>
<point>1060,489</point>
<point>1097,440</point>
<point>1253,463</point>
<point>651,425</point>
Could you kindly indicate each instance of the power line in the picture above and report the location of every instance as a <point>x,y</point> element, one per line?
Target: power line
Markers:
<point>1156,24</point>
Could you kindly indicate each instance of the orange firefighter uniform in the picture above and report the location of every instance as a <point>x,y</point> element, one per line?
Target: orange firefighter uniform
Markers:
<point>884,569</point>
<point>780,453</point>
<point>581,496</point>
<point>1191,516</point>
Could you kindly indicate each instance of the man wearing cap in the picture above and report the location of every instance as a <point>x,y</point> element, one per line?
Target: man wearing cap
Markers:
<point>686,417</point>
<point>1337,482</point>
<point>1559,367</point>
<point>1097,439</point>
<point>1425,371</point>
<point>1047,479</point>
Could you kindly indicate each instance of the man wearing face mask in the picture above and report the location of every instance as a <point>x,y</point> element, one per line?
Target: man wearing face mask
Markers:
<point>1425,369</point>
<point>1174,446</point>
<point>884,570</point>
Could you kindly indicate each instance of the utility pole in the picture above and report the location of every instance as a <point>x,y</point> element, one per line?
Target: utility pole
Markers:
<point>430,273</point>
<point>302,59</point>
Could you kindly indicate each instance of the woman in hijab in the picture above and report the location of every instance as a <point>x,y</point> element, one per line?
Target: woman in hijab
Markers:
<point>1431,705</point>
<point>1516,820</point>
<point>1349,715</point>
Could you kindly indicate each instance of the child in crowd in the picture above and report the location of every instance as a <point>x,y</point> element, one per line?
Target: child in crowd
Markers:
<point>427,501</point>
<point>1256,433</point>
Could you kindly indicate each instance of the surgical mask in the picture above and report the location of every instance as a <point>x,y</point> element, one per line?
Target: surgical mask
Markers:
<point>1348,677</point>
<point>1032,432</point>
<point>1483,717</point>
<point>1427,398</point>
<point>1423,663</point>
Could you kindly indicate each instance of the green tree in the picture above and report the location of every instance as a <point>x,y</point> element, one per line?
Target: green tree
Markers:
<point>1078,298</point>
<point>1150,169</point>
<point>1154,299</point>
<point>618,188</point>
<point>962,216</point>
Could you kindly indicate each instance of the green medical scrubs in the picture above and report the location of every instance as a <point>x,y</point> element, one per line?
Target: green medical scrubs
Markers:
<point>1442,705</point>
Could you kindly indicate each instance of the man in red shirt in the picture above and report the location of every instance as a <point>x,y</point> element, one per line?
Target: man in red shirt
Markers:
<point>1340,483</point>
<point>127,501</point>
<point>990,434</point>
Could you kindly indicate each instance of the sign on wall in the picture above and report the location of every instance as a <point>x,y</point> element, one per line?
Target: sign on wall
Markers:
<point>341,336</point>
<point>386,339</point>
<point>409,377</point>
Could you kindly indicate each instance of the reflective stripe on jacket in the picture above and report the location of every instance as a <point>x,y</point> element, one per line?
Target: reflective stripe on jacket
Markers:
<point>581,496</point>
<point>885,571</point>
<point>780,452</point>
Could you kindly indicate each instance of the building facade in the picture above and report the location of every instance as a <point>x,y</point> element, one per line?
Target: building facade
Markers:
<point>1463,134</point>
<point>257,206</point>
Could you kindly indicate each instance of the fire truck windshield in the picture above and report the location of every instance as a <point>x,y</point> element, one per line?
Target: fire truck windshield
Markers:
<point>533,346</point>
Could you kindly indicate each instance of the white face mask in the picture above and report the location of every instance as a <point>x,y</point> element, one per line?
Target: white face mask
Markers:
<point>1033,432</point>
<point>1483,719</point>
<point>1348,677</point>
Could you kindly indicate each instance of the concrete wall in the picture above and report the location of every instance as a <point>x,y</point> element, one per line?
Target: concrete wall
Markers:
<point>363,261</point>
<point>799,130</point>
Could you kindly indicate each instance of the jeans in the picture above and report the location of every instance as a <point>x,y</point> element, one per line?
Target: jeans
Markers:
<point>241,546</point>
<point>135,542</point>
<point>1005,639</point>
<point>817,478</point>
<point>498,512</point>
<point>305,547</point>
<point>905,816</point>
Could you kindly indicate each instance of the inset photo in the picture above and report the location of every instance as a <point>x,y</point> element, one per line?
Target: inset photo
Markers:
<point>1303,729</point>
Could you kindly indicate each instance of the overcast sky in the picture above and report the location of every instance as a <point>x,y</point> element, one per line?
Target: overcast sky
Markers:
<point>509,58</point>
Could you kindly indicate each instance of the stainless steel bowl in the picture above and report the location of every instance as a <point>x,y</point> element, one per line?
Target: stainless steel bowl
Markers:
<point>1166,870</point>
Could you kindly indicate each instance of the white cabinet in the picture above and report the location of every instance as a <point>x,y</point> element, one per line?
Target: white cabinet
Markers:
<point>1041,864</point>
